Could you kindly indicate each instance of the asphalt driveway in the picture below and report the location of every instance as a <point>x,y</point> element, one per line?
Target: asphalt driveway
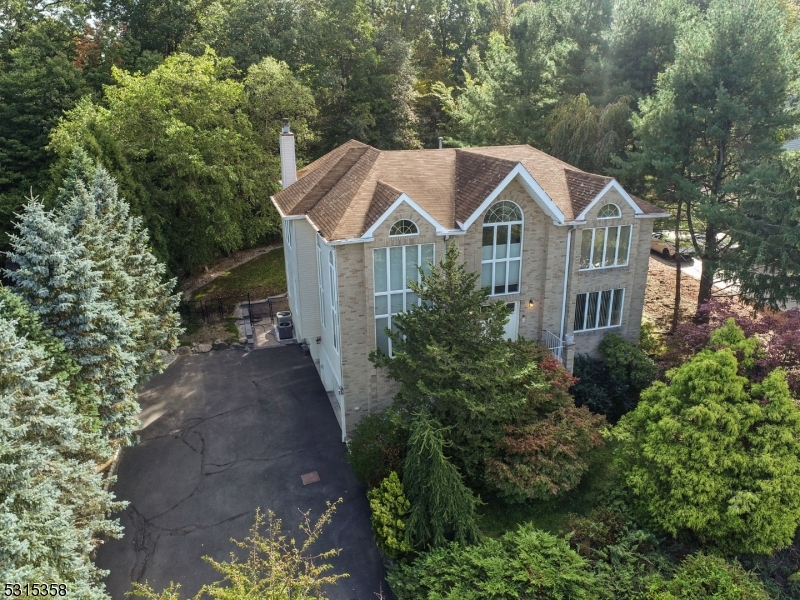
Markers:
<point>225,433</point>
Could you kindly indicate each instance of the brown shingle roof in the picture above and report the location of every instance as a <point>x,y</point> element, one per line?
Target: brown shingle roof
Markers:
<point>346,191</point>
<point>583,188</point>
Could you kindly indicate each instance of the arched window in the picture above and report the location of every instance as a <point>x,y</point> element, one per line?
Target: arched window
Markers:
<point>501,255</point>
<point>609,211</point>
<point>404,227</point>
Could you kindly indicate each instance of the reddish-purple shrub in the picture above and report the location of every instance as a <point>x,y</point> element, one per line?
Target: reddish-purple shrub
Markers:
<point>779,334</point>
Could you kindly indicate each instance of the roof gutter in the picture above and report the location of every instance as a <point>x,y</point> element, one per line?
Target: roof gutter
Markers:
<point>566,280</point>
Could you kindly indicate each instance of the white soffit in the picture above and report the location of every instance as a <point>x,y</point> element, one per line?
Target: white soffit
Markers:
<point>369,233</point>
<point>531,186</point>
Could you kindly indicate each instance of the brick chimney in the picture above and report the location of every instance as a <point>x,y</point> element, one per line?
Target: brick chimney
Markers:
<point>288,160</point>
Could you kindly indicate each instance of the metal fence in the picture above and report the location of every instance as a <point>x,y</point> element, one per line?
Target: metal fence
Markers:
<point>205,311</point>
<point>260,310</point>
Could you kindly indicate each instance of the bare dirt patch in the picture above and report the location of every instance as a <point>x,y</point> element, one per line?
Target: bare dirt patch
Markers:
<point>659,296</point>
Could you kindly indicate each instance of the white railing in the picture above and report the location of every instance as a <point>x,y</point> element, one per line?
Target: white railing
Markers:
<point>555,344</point>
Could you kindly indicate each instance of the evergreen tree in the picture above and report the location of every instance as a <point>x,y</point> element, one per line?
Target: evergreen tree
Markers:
<point>52,504</point>
<point>59,364</point>
<point>713,454</point>
<point>133,280</point>
<point>714,124</point>
<point>511,425</point>
<point>442,507</point>
<point>59,281</point>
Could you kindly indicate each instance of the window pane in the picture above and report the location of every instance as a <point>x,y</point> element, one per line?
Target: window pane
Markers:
<point>591,314</point>
<point>586,248</point>
<point>486,275</point>
<point>580,309</point>
<point>516,241</point>
<point>396,268</point>
<point>412,258</point>
<point>381,305</point>
<point>379,256</point>
<point>427,257</point>
<point>488,243</point>
<point>411,300</point>
<point>605,306</point>
<point>611,247</point>
<point>513,276</point>
<point>597,254</point>
<point>381,339</point>
<point>501,248</point>
<point>500,278</point>
<point>397,303</point>
<point>624,244</point>
<point>616,307</point>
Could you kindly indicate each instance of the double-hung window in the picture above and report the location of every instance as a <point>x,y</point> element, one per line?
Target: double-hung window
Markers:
<point>501,252</point>
<point>393,269</point>
<point>598,310</point>
<point>603,247</point>
<point>334,299</point>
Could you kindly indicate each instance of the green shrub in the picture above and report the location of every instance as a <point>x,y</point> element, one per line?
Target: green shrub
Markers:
<point>526,563</point>
<point>716,455</point>
<point>611,387</point>
<point>390,509</point>
<point>703,576</point>
<point>377,447</point>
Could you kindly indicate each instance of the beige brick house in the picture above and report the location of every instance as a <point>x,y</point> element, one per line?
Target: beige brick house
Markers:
<point>567,250</point>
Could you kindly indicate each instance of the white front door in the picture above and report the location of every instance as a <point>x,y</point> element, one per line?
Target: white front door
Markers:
<point>512,327</point>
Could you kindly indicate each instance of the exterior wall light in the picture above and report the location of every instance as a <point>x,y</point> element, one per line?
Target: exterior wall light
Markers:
<point>530,303</point>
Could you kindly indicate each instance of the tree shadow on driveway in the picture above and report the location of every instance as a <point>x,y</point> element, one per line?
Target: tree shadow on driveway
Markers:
<point>223,434</point>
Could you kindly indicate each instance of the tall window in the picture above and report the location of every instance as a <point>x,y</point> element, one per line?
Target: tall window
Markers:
<point>598,310</point>
<point>334,299</point>
<point>287,232</point>
<point>320,283</point>
<point>403,227</point>
<point>603,247</point>
<point>501,255</point>
<point>393,268</point>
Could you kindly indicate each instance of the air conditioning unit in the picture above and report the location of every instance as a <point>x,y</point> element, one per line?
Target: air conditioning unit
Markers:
<point>284,316</point>
<point>285,331</point>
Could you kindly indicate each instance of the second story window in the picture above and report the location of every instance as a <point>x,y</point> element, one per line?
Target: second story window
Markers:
<point>501,252</point>
<point>603,247</point>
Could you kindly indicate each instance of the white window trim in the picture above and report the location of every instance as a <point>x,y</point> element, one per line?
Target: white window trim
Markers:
<point>321,284</point>
<point>334,300</point>
<point>506,260</point>
<point>388,315</point>
<point>594,231</point>
<point>403,235</point>
<point>287,232</point>
<point>616,216</point>
<point>597,309</point>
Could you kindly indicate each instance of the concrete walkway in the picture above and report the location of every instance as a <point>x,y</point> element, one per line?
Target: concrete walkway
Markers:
<point>224,433</point>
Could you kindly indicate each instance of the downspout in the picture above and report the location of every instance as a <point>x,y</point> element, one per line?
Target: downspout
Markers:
<point>566,280</point>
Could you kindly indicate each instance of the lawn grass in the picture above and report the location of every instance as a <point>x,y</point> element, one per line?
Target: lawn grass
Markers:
<point>497,516</point>
<point>261,277</point>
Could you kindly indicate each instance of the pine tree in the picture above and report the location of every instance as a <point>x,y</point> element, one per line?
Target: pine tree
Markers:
<point>442,507</point>
<point>52,504</point>
<point>59,281</point>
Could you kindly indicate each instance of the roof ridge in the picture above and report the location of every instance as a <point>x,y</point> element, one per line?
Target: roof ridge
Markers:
<point>382,198</point>
<point>339,196</point>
